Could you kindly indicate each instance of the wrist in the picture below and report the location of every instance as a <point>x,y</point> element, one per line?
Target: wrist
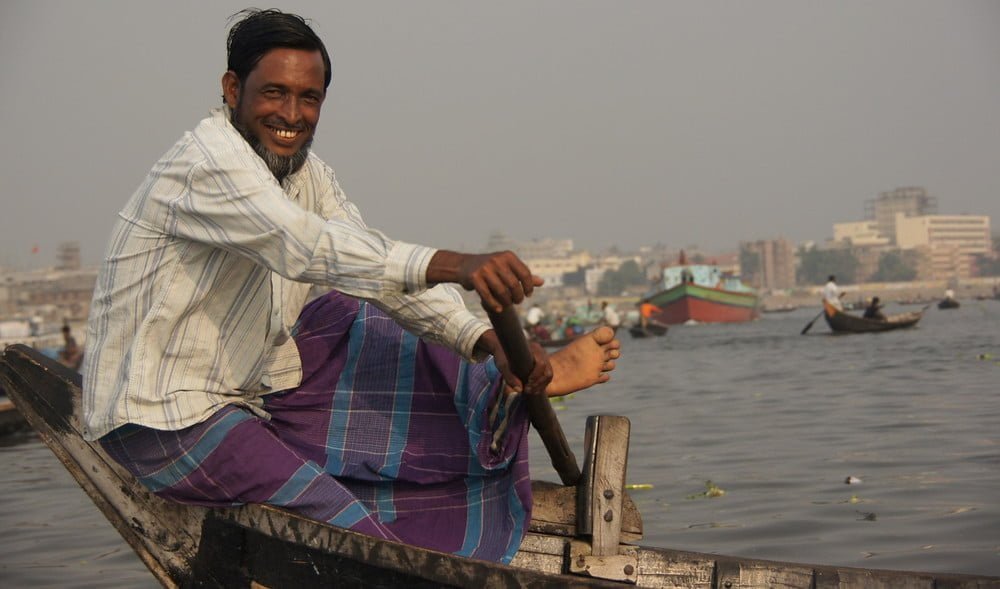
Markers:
<point>444,267</point>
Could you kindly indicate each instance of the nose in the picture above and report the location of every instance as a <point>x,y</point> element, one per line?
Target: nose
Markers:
<point>291,110</point>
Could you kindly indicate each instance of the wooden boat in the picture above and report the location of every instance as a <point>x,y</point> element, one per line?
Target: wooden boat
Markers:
<point>841,322</point>
<point>788,308</point>
<point>702,293</point>
<point>948,303</point>
<point>650,330</point>
<point>262,546</point>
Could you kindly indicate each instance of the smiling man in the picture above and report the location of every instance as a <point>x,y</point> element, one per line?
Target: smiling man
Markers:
<point>374,407</point>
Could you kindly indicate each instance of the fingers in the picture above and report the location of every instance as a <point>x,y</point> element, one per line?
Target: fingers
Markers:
<point>501,279</point>
<point>541,375</point>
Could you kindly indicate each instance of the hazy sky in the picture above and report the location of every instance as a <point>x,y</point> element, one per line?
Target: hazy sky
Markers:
<point>611,123</point>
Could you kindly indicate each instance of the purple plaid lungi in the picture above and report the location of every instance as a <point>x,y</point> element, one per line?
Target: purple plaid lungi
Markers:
<point>387,435</point>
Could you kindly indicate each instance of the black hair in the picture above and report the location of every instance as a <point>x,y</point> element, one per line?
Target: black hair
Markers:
<point>260,31</point>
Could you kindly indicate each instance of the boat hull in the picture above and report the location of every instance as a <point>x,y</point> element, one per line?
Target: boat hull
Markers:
<point>841,322</point>
<point>259,545</point>
<point>693,302</point>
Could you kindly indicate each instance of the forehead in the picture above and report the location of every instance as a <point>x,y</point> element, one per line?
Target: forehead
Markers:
<point>297,68</point>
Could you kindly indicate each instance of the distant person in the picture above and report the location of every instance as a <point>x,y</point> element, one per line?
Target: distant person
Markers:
<point>609,316</point>
<point>874,310</point>
<point>832,294</point>
<point>949,295</point>
<point>70,355</point>
<point>646,312</point>
<point>533,323</point>
<point>534,316</point>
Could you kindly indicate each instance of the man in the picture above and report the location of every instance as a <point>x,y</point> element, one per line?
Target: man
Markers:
<point>609,316</point>
<point>70,355</point>
<point>533,323</point>
<point>832,294</point>
<point>646,312</point>
<point>874,310</point>
<point>209,380</point>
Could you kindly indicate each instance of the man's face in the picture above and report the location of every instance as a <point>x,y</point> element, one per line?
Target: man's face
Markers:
<point>278,107</point>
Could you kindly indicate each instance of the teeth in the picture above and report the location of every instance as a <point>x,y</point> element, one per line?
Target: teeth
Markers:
<point>285,134</point>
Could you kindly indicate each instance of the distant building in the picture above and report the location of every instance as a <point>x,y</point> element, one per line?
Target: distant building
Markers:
<point>948,243</point>
<point>554,270</point>
<point>775,264</point>
<point>535,248</point>
<point>860,233</point>
<point>68,256</point>
<point>910,201</point>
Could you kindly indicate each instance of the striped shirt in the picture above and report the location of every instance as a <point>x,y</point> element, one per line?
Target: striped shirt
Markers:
<point>209,263</point>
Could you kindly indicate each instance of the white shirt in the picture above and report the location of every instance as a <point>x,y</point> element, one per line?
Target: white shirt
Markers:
<point>208,265</point>
<point>534,315</point>
<point>831,294</point>
<point>611,317</point>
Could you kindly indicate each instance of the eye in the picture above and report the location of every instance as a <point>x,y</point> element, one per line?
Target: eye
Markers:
<point>272,93</point>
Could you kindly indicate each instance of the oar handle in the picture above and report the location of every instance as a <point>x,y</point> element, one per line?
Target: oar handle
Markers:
<point>543,418</point>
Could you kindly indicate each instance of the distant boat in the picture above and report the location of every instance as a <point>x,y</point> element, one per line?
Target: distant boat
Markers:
<point>651,330</point>
<point>779,309</point>
<point>948,303</point>
<point>702,293</point>
<point>841,322</point>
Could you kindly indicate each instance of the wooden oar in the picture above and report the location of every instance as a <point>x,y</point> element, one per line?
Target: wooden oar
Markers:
<point>543,418</point>
<point>810,324</point>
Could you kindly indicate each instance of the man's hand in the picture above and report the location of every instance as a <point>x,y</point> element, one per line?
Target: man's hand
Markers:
<point>501,278</point>
<point>541,374</point>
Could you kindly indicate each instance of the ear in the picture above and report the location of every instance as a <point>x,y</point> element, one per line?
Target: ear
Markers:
<point>231,88</point>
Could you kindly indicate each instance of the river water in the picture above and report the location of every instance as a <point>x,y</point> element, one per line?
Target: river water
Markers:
<point>775,420</point>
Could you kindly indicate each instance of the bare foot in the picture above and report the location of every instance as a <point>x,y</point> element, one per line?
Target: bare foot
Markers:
<point>584,362</point>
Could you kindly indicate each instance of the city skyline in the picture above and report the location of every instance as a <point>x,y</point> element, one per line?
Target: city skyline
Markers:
<point>679,123</point>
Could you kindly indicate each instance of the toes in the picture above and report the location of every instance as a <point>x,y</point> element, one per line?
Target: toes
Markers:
<point>604,335</point>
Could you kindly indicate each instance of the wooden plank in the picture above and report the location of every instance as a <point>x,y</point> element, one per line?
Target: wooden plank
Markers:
<point>554,512</point>
<point>675,569</point>
<point>608,486</point>
<point>730,573</point>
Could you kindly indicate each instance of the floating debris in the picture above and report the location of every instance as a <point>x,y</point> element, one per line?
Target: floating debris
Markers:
<point>852,480</point>
<point>867,516</point>
<point>711,491</point>
<point>984,357</point>
<point>638,486</point>
<point>854,499</point>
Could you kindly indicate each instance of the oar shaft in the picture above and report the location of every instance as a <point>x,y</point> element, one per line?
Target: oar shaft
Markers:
<point>543,418</point>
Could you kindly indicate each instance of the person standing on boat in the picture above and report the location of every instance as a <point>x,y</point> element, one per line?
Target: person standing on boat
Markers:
<point>646,312</point>
<point>609,316</point>
<point>832,294</point>
<point>382,406</point>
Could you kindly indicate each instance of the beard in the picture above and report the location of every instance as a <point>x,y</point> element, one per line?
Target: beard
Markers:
<point>280,165</point>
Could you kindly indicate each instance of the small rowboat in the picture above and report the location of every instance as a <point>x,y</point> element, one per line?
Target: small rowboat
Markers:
<point>580,535</point>
<point>652,329</point>
<point>948,303</point>
<point>841,322</point>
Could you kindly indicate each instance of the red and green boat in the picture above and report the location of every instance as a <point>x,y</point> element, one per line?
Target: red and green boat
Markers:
<point>702,293</point>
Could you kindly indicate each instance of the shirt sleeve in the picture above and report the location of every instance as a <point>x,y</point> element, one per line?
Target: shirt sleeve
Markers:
<point>233,202</point>
<point>437,314</point>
